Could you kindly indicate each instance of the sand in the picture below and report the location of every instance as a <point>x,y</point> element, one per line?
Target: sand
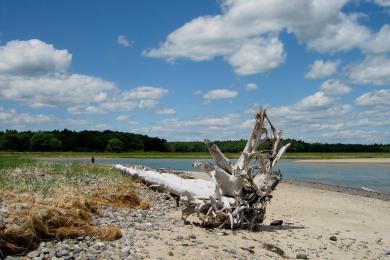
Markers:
<point>311,216</point>
<point>383,161</point>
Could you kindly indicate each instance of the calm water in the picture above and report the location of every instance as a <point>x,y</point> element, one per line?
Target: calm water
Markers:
<point>374,177</point>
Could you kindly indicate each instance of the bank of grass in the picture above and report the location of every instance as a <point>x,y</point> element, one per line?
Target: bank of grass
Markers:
<point>166,155</point>
<point>20,174</point>
<point>48,200</point>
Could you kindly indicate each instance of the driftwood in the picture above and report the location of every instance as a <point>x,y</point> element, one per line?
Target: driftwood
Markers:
<point>238,194</point>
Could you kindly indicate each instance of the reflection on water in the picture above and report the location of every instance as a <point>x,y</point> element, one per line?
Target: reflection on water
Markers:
<point>369,177</point>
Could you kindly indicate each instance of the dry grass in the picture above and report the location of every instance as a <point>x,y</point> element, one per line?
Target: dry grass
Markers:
<point>68,214</point>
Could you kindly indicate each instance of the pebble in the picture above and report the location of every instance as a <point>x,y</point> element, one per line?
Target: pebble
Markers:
<point>386,252</point>
<point>301,256</point>
<point>333,238</point>
<point>170,253</point>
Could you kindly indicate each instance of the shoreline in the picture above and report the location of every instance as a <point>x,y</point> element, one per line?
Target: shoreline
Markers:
<point>336,188</point>
<point>374,161</point>
<point>308,184</point>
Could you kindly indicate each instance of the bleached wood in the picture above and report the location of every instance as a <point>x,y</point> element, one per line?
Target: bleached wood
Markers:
<point>237,195</point>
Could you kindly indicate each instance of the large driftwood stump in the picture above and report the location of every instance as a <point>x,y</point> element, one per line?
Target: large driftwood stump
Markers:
<point>238,194</point>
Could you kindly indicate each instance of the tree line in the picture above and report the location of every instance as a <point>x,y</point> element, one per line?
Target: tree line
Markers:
<point>114,141</point>
<point>236,146</point>
<point>83,141</point>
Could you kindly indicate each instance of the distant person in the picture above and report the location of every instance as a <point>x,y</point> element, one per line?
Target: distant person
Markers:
<point>92,159</point>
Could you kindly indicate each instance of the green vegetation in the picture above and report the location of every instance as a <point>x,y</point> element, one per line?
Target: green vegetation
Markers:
<point>26,175</point>
<point>134,145</point>
<point>84,141</point>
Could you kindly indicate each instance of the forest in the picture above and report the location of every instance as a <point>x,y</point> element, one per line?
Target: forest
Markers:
<point>114,141</point>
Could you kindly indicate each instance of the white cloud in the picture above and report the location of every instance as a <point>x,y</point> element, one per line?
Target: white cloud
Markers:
<point>334,88</point>
<point>251,86</point>
<point>379,42</point>
<point>246,33</point>
<point>343,35</point>
<point>12,117</point>
<point>257,56</point>
<point>33,73</point>
<point>220,127</point>
<point>123,41</point>
<point>375,98</point>
<point>145,92</point>
<point>220,94</point>
<point>147,103</point>
<point>166,111</point>
<point>126,118</point>
<point>384,3</point>
<point>65,90</point>
<point>373,70</point>
<point>122,118</point>
<point>21,121</point>
<point>31,58</point>
<point>322,69</point>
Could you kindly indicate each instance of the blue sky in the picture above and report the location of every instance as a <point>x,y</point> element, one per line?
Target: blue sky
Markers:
<point>189,70</point>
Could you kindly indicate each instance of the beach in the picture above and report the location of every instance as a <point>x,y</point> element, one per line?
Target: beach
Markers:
<point>317,224</point>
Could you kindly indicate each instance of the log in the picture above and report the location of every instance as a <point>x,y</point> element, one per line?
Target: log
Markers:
<point>238,194</point>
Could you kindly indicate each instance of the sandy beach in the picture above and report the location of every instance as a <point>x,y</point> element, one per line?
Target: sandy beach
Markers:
<point>312,215</point>
<point>383,161</point>
<point>319,222</point>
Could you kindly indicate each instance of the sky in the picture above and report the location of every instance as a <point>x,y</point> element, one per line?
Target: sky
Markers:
<point>189,70</point>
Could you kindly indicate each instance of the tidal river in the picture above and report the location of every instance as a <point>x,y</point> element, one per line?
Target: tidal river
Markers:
<point>362,176</point>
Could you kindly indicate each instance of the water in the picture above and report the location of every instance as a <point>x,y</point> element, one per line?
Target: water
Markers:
<point>368,177</point>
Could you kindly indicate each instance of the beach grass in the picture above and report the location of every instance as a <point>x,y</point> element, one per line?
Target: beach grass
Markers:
<point>19,174</point>
<point>166,155</point>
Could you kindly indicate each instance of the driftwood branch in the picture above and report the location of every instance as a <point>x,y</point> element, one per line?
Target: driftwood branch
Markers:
<point>237,195</point>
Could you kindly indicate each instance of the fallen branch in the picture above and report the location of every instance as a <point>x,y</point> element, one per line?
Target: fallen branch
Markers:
<point>238,194</point>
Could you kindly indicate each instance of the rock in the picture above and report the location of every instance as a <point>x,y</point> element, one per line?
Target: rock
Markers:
<point>179,237</point>
<point>170,253</point>
<point>18,170</point>
<point>140,227</point>
<point>13,258</point>
<point>33,254</point>
<point>232,251</point>
<point>301,256</point>
<point>333,238</point>
<point>386,252</point>
<point>278,222</point>
<point>192,236</point>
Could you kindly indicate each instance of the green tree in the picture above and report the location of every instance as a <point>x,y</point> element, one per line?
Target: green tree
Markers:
<point>42,141</point>
<point>115,145</point>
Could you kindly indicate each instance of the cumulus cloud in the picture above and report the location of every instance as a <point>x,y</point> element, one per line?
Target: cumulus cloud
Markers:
<point>145,92</point>
<point>219,127</point>
<point>375,98</point>
<point>379,42</point>
<point>35,74</point>
<point>322,69</point>
<point>257,56</point>
<point>251,86</point>
<point>166,111</point>
<point>10,118</point>
<point>123,41</point>
<point>373,70</point>
<point>334,88</point>
<point>220,94</point>
<point>246,33</point>
<point>343,35</point>
<point>31,58</point>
